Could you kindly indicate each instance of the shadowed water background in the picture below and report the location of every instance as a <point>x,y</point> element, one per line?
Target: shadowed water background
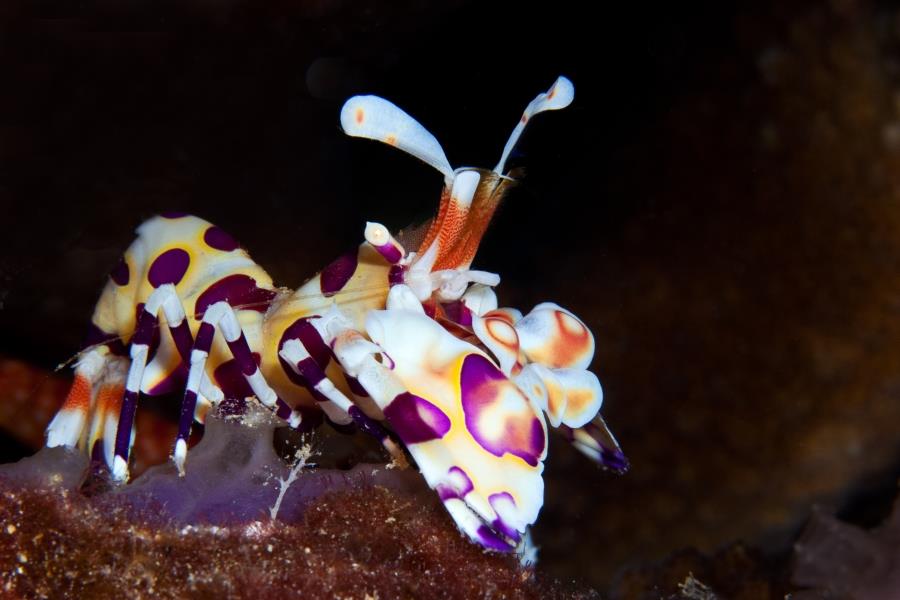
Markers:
<point>720,205</point>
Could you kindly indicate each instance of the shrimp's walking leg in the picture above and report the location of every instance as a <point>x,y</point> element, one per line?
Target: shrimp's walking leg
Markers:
<point>67,427</point>
<point>166,299</point>
<point>336,405</point>
<point>221,316</point>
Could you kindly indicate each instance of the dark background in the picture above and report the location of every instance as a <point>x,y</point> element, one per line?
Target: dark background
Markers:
<point>230,110</point>
<point>719,204</point>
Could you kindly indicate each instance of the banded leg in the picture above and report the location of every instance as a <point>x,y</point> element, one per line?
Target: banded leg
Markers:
<point>105,414</point>
<point>166,299</point>
<point>67,427</point>
<point>337,406</point>
<point>221,316</point>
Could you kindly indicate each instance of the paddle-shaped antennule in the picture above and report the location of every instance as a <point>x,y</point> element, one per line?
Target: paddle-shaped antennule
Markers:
<point>375,118</point>
<point>469,198</point>
<point>560,95</point>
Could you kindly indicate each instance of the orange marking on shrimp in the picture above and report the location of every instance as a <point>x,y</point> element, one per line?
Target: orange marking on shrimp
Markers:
<point>572,327</point>
<point>461,253</point>
<point>452,229</point>
<point>360,116</point>
<point>556,398</point>
<point>79,397</point>
<point>503,333</point>
<point>573,341</point>
<point>484,204</point>
<point>577,400</point>
<point>435,226</point>
<point>499,314</point>
<point>109,398</point>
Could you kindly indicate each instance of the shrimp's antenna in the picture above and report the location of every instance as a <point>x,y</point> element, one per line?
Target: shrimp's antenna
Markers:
<point>560,95</point>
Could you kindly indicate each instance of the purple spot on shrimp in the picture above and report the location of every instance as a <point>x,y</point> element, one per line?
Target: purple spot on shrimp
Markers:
<point>456,485</point>
<point>120,274</point>
<point>499,524</point>
<point>489,539</point>
<point>229,377</point>
<point>335,276</point>
<point>488,396</point>
<point>240,291</point>
<point>219,239</point>
<point>458,313</point>
<point>169,267</point>
<point>416,419</point>
<point>173,214</point>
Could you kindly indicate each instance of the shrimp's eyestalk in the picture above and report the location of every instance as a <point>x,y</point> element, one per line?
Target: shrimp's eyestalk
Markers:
<point>381,239</point>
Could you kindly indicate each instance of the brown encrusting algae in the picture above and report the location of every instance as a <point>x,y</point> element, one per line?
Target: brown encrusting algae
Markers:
<point>369,532</point>
<point>366,543</point>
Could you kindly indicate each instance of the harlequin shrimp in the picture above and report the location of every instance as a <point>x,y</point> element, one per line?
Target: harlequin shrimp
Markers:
<point>408,346</point>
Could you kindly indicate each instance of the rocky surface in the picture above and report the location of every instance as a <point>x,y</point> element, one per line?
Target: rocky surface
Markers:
<point>364,543</point>
<point>834,559</point>
<point>238,526</point>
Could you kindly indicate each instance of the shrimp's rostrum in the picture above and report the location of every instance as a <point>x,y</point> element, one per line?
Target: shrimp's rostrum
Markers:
<point>407,344</point>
